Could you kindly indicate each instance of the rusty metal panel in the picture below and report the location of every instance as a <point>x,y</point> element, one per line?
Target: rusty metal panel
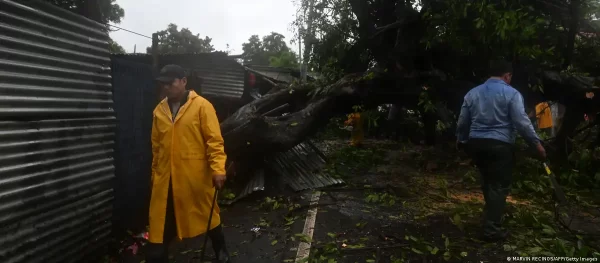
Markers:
<point>57,134</point>
<point>222,76</point>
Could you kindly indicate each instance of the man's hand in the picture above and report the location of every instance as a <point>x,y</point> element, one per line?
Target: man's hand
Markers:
<point>541,151</point>
<point>219,181</point>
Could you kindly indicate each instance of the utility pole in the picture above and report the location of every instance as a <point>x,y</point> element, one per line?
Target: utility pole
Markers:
<point>134,48</point>
<point>155,52</point>
<point>300,52</point>
<point>308,39</point>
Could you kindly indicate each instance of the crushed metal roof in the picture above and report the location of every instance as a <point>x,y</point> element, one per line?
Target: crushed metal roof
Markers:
<point>301,167</point>
<point>256,183</point>
<point>221,74</point>
<point>286,75</point>
<point>279,74</point>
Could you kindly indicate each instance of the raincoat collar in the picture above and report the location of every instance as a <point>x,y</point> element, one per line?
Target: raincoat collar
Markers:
<point>191,95</point>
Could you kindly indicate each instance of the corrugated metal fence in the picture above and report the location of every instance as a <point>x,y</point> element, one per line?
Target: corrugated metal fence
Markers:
<point>56,134</point>
<point>135,98</point>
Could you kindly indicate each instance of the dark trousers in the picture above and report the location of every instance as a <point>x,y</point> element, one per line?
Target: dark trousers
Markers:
<point>495,160</point>
<point>159,253</point>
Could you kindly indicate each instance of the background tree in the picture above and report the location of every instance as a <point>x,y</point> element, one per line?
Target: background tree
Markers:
<point>285,59</point>
<point>115,48</point>
<point>173,40</point>
<point>103,11</point>
<point>271,50</point>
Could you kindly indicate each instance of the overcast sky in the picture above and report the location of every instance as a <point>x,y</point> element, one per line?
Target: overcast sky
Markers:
<point>225,21</point>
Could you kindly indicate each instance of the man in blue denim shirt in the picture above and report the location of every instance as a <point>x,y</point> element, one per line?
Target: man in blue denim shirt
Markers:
<point>489,116</point>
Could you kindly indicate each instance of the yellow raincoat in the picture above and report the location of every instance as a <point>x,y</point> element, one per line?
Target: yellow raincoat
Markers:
<point>188,150</point>
<point>356,122</point>
<point>544,115</point>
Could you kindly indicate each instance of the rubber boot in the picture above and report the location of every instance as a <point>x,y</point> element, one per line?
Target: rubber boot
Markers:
<point>218,241</point>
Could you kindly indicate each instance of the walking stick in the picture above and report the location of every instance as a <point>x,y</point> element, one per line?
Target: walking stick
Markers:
<point>212,207</point>
<point>208,226</point>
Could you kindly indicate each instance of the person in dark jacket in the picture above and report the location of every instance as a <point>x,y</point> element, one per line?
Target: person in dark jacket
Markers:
<point>489,115</point>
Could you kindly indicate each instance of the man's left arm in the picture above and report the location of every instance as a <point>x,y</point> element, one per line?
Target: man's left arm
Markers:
<point>215,146</point>
<point>464,123</point>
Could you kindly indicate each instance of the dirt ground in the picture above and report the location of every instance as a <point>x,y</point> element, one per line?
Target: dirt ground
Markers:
<point>400,204</point>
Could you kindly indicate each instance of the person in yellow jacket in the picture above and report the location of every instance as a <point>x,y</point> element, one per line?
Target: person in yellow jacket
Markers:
<point>188,163</point>
<point>357,134</point>
<point>544,117</point>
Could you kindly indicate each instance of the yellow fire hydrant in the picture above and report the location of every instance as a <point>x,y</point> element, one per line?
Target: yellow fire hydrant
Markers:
<point>357,134</point>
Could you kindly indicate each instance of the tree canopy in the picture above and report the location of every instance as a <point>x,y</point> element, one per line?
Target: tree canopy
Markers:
<point>526,32</point>
<point>103,11</point>
<point>115,48</point>
<point>424,56</point>
<point>447,45</point>
<point>271,50</point>
<point>173,40</point>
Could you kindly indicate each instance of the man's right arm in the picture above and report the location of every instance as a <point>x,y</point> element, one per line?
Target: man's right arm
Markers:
<point>521,120</point>
<point>463,126</point>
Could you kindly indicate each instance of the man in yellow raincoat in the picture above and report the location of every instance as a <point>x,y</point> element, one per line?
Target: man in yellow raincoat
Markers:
<point>355,121</point>
<point>188,163</point>
<point>544,118</point>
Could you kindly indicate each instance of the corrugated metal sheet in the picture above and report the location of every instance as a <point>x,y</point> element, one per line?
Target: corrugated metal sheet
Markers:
<point>285,75</point>
<point>301,167</point>
<point>256,183</point>
<point>222,75</point>
<point>135,98</point>
<point>56,134</point>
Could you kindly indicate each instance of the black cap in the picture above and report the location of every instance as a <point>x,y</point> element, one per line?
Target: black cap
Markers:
<point>169,73</point>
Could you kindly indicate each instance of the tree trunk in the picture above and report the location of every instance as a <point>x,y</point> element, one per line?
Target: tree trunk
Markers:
<point>562,142</point>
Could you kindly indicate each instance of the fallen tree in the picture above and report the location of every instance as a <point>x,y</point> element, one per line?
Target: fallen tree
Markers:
<point>410,63</point>
<point>281,120</point>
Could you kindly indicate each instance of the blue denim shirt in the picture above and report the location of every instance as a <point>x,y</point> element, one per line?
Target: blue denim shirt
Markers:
<point>494,110</point>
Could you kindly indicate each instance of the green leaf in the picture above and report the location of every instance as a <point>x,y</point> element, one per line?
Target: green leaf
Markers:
<point>463,254</point>
<point>417,251</point>
<point>273,242</point>
<point>447,242</point>
<point>534,250</point>
<point>304,238</point>
<point>435,250</point>
<point>294,124</point>
<point>447,255</point>
<point>457,219</point>
<point>508,247</point>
